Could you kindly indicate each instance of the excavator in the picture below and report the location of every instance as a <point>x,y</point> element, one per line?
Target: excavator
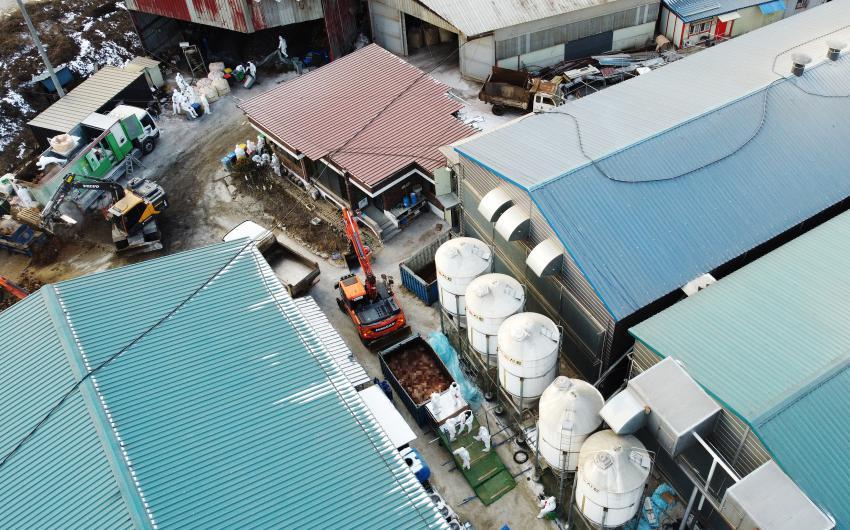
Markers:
<point>371,305</point>
<point>133,211</point>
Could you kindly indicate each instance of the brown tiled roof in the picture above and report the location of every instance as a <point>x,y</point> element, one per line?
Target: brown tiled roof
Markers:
<point>319,112</point>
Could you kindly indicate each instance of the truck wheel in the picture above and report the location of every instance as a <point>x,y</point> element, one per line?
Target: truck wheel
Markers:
<point>341,305</point>
<point>147,146</point>
<point>498,110</point>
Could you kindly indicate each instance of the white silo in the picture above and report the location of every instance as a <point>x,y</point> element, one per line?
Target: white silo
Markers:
<point>612,473</point>
<point>569,413</point>
<point>459,261</point>
<point>528,356</point>
<point>490,299</point>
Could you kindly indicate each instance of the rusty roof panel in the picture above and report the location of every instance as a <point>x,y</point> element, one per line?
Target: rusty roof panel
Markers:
<point>230,14</point>
<point>344,101</point>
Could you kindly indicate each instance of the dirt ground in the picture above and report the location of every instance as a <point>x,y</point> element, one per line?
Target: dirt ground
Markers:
<point>81,34</point>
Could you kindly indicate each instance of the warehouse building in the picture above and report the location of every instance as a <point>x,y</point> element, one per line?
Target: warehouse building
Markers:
<point>213,401</point>
<point>692,22</point>
<point>612,208</point>
<point>224,28</point>
<point>101,92</point>
<point>771,343</point>
<point>369,139</point>
<point>510,33</point>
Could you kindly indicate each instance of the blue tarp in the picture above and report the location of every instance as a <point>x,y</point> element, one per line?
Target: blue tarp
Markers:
<point>772,7</point>
<point>448,355</point>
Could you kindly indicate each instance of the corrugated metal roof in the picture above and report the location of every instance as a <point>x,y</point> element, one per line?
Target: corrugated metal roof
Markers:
<point>474,17</point>
<point>230,14</point>
<point>319,112</point>
<point>686,176</point>
<point>93,93</point>
<point>145,62</point>
<point>772,342</point>
<point>690,10</point>
<point>224,410</point>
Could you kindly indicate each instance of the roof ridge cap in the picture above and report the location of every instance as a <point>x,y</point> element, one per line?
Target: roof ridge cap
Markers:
<point>124,477</point>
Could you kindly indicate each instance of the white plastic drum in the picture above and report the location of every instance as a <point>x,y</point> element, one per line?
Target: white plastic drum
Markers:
<point>490,299</point>
<point>459,261</point>
<point>612,473</point>
<point>569,413</point>
<point>528,356</point>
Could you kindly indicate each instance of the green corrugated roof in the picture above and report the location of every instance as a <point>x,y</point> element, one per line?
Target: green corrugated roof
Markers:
<point>226,413</point>
<point>772,342</point>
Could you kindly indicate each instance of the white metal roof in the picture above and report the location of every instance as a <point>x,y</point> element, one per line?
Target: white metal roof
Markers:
<point>474,17</point>
<point>539,147</point>
<point>387,416</point>
<point>90,95</point>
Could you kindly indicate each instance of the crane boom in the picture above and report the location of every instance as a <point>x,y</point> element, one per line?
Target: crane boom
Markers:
<point>14,289</point>
<point>353,233</point>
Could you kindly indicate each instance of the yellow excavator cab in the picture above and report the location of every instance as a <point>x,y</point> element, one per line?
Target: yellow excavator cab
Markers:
<point>125,204</point>
<point>352,288</point>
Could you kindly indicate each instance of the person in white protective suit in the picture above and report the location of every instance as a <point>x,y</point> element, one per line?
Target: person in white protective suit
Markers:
<point>450,428</point>
<point>463,454</point>
<point>205,103</point>
<point>189,94</point>
<point>465,421</point>
<point>176,102</point>
<point>281,48</point>
<point>435,404</point>
<point>454,390</point>
<point>261,142</point>
<point>181,83</point>
<point>483,437</point>
<point>252,69</point>
<point>187,108</point>
<point>275,163</point>
<point>547,505</point>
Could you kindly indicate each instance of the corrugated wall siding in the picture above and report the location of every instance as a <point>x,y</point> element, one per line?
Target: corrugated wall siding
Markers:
<point>568,298</point>
<point>733,439</point>
<point>230,14</point>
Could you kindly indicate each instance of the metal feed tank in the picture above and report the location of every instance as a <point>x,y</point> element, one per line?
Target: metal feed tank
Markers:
<point>459,261</point>
<point>490,299</point>
<point>612,473</point>
<point>528,356</point>
<point>569,413</point>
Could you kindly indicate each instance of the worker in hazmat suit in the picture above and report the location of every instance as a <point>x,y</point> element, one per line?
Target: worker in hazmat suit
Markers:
<point>181,83</point>
<point>450,428</point>
<point>187,109</point>
<point>275,163</point>
<point>466,422</point>
<point>281,48</point>
<point>454,391</point>
<point>176,102</point>
<point>483,437</point>
<point>463,454</point>
<point>261,143</point>
<point>435,404</point>
<point>205,103</point>
<point>547,506</point>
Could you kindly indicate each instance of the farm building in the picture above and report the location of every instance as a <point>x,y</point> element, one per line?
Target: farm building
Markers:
<point>511,33</point>
<point>623,198</point>
<point>771,343</point>
<point>368,139</point>
<point>222,27</point>
<point>692,22</point>
<point>106,88</point>
<point>215,401</point>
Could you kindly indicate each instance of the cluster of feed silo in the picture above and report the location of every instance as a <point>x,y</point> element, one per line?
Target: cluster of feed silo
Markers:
<point>610,471</point>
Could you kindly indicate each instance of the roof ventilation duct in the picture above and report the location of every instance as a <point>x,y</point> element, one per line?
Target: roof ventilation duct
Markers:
<point>835,48</point>
<point>545,258</point>
<point>493,204</point>
<point>513,224</point>
<point>800,61</point>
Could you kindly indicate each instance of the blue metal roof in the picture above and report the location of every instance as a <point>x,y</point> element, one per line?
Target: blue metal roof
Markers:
<point>691,10</point>
<point>772,7</point>
<point>771,341</point>
<point>645,219</point>
<point>223,409</point>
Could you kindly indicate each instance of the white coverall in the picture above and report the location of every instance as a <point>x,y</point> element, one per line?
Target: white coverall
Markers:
<point>483,437</point>
<point>546,505</point>
<point>464,457</point>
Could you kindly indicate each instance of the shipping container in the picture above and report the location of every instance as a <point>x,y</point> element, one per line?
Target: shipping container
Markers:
<point>419,273</point>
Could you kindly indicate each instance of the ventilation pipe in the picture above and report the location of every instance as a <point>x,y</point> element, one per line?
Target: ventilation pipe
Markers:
<point>800,61</point>
<point>835,48</point>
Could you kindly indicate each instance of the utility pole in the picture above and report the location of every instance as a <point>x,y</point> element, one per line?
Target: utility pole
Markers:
<point>40,48</point>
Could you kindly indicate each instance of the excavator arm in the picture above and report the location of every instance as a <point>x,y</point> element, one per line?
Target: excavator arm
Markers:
<point>353,233</point>
<point>49,213</point>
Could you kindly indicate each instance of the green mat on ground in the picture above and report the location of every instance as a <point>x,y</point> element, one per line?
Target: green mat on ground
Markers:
<point>487,474</point>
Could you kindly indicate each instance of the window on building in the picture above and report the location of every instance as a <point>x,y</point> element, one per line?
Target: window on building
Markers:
<point>699,27</point>
<point>802,4</point>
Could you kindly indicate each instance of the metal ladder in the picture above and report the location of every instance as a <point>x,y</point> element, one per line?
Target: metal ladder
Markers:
<point>194,59</point>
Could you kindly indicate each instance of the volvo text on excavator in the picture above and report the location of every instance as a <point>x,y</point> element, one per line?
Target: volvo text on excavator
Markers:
<point>133,211</point>
<point>371,305</point>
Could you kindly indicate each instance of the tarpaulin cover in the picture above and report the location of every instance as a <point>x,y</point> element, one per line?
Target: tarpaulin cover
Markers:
<point>448,355</point>
<point>772,7</point>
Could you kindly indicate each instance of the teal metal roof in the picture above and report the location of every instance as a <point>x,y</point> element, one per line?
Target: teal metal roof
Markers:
<point>223,409</point>
<point>772,343</point>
